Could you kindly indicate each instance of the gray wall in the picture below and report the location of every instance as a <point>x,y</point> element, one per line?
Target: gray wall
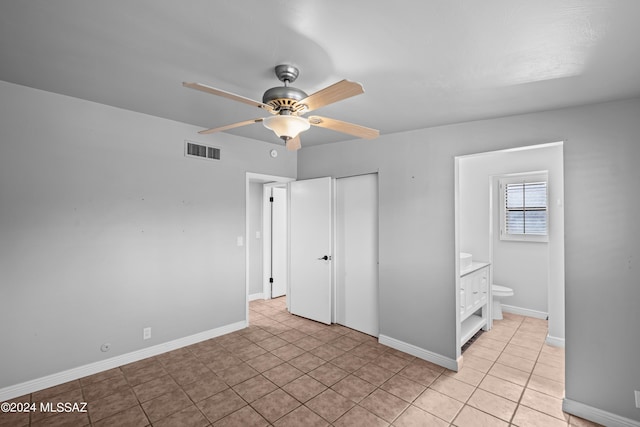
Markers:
<point>417,252</point>
<point>106,228</point>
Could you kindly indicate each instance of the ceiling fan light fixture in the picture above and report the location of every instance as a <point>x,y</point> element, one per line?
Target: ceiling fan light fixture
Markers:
<point>286,126</point>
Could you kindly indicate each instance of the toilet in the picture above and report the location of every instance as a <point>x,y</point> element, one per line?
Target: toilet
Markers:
<point>498,293</point>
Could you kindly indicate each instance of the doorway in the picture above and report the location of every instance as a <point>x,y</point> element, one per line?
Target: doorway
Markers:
<point>255,234</point>
<point>349,243</point>
<point>477,230</point>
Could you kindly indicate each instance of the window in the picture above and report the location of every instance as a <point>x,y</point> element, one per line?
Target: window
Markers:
<point>524,208</point>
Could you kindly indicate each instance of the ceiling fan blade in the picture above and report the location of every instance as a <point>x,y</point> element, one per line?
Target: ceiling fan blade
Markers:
<point>228,95</point>
<point>231,126</point>
<point>293,144</point>
<point>344,127</point>
<point>336,92</point>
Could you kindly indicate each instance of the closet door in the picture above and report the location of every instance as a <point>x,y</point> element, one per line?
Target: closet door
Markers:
<point>357,253</point>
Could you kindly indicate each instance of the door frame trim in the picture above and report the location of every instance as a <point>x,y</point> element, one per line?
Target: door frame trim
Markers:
<point>267,234</point>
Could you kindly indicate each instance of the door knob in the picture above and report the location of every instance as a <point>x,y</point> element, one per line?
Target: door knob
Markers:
<point>326,258</point>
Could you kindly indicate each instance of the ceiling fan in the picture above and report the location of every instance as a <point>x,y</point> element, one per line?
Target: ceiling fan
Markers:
<point>288,105</point>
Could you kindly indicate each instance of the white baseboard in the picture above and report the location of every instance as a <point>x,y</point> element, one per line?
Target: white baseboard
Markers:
<point>555,341</point>
<point>413,350</point>
<point>525,311</point>
<point>58,378</point>
<point>597,415</point>
<point>253,297</point>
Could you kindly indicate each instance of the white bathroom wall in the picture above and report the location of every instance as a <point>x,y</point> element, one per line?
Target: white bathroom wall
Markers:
<point>522,266</point>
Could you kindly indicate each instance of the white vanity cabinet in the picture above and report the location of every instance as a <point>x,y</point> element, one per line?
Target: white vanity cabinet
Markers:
<point>475,297</point>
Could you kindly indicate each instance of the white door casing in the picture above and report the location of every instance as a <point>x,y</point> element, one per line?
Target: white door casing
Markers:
<point>279,242</point>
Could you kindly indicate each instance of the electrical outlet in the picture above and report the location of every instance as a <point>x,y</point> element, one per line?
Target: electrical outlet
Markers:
<point>146,333</point>
<point>637,392</point>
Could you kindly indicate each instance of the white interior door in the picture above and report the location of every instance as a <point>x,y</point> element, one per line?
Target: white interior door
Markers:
<point>310,220</point>
<point>279,242</point>
<point>357,253</point>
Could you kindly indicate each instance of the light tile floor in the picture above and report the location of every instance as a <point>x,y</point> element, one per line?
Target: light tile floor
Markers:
<point>288,371</point>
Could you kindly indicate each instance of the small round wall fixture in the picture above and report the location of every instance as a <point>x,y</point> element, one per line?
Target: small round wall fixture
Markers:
<point>273,153</point>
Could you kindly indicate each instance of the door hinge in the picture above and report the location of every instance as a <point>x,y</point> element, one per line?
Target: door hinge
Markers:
<point>271,199</point>
<point>270,279</point>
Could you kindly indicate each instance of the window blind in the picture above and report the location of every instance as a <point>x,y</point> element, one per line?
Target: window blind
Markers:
<point>526,208</point>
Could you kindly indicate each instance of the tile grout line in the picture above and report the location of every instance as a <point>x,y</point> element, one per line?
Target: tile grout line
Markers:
<point>518,403</point>
<point>358,404</point>
<point>567,421</point>
<point>492,365</point>
<point>306,373</point>
<point>526,383</point>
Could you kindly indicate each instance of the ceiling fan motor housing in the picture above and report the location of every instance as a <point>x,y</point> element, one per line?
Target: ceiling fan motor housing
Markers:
<point>284,98</point>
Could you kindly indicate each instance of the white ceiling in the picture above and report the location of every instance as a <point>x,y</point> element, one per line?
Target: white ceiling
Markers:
<point>422,63</point>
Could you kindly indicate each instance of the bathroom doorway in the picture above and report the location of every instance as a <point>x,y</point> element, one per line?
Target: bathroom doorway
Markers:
<point>478,228</point>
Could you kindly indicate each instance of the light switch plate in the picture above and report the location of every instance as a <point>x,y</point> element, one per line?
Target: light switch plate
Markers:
<point>637,398</point>
<point>240,241</point>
